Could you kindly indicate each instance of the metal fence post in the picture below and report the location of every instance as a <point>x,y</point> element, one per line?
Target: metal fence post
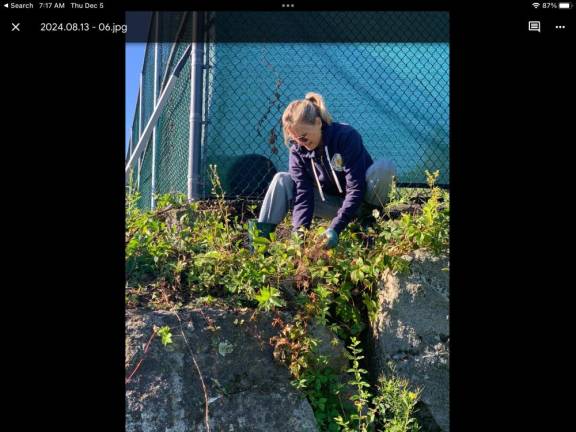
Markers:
<point>154,141</point>
<point>129,153</point>
<point>154,99</point>
<point>196,77</point>
<point>139,127</point>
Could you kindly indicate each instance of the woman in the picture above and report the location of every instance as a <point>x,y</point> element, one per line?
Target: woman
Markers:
<point>330,172</point>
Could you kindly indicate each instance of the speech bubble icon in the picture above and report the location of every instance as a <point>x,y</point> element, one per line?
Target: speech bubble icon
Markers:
<point>534,26</point>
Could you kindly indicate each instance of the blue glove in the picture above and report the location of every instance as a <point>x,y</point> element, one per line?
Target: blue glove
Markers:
<point>331,238</point>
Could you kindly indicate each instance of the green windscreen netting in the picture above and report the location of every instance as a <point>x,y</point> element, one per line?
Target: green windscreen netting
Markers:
<point>394,92</point>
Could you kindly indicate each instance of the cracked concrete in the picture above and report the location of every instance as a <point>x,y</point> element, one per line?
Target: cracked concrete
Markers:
<point>166,393</point>
<point>412,330</point>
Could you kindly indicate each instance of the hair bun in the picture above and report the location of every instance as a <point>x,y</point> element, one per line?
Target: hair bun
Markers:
<point>317,100</point>
<point>312,97</point>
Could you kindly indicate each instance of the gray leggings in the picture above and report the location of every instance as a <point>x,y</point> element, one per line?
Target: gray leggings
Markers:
<point>281,190</point>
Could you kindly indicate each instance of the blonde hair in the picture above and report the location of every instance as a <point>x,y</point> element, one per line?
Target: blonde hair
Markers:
<point>305,111</point>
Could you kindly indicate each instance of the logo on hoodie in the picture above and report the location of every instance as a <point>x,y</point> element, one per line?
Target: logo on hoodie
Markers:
<point>337,162</point>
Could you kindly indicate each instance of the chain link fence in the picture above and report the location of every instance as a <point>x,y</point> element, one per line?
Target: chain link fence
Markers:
<point>395,93</point>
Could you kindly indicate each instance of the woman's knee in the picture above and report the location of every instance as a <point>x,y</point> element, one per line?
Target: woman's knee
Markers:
<point>282,179</point>
<point>381,169</point>
<point>281,176</point>
<point>282,183</point>
<point>379,178</point>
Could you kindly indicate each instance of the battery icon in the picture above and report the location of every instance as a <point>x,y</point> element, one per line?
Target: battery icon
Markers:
<point>565,5</point>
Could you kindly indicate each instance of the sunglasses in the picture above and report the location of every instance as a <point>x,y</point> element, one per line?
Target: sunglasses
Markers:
<point>302,139</point>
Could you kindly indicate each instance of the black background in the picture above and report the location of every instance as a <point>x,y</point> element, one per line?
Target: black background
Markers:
<point>511,176</point>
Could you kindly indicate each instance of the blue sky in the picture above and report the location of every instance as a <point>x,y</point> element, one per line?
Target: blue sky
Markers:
<point>134,61</point>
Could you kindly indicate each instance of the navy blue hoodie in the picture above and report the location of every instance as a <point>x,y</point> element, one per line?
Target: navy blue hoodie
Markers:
<point>340,163</point>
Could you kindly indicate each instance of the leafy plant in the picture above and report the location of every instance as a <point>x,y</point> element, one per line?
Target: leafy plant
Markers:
<point>322,387</point>
<point>268,298</point>
<point>391,409</point>
<point>362,418</point>
<point>166,335</point>
<point>395,404</point>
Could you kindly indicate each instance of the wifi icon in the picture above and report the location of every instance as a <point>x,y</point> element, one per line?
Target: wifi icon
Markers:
<point>535,5</point>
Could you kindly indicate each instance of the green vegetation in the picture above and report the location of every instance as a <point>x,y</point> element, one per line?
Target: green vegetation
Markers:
<point>196,254</point>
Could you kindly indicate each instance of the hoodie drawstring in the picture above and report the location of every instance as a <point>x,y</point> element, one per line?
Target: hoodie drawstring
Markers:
<point>317,181</point>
